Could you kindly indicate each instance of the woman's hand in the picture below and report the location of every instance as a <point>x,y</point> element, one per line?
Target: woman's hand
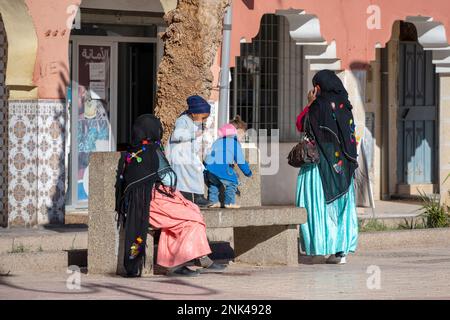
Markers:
<point>312,94</point>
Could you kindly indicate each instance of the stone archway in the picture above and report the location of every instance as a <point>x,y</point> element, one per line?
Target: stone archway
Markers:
<point>3,128</point>
<point>431,36</point>
<point>18,40</point>
<point>305,30</point>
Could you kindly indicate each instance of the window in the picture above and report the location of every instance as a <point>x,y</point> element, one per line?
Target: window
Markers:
<point>256,78</point>
<point>267,82</point>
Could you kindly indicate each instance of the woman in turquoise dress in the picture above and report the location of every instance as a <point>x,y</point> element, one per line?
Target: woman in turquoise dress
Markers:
<point>326,189</point>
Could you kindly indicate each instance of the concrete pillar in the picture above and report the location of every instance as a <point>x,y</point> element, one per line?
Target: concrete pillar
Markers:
<point>373,105</point>
<point>444,138</point>
<point>355,83</point>
<point>105,240</point>
<point>393,54</point>
<point>267,245</point>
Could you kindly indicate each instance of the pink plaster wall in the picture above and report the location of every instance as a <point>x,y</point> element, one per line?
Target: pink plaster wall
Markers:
<point>51,74</point>
<point>342,20</point>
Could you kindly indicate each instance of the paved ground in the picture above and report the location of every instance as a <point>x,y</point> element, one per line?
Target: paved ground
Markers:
<point>405,273</point>
<point>392,209</point>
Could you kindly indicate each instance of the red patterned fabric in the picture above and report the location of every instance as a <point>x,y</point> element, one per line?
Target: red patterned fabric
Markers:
<point>183,230</point>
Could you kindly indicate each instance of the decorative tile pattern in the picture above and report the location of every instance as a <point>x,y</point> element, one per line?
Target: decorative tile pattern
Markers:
<point>22,175</point>
<point>3,129</point>
<point>36,162</point>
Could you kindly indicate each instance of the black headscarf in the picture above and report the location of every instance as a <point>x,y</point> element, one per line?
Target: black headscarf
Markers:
<point>333,127</point>
<point>140,168</point>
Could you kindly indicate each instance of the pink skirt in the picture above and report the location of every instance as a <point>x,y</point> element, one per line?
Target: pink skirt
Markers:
<point>183,230</point>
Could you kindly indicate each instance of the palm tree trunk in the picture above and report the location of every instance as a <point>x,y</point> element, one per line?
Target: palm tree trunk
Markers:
<point>191,43</point>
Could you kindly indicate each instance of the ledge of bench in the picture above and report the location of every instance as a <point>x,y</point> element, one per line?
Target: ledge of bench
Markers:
<point>254,216</point>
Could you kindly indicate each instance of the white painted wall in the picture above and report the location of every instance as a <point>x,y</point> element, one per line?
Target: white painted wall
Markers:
<point>290,83</point>
<point>294,82</point>
<point>126,5</point>
<point>280,188</point>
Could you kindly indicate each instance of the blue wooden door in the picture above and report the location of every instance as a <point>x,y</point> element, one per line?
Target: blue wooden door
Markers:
<point>417,115</point>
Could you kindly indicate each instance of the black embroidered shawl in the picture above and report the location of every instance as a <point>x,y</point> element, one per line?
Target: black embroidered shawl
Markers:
<point>333,127</point>
<point>137,174</point>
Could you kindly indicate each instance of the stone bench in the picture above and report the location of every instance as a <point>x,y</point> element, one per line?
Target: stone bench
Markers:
<point>260,235</point>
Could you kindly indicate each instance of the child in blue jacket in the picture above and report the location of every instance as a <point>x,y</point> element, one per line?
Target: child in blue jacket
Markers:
<point>225,152</point>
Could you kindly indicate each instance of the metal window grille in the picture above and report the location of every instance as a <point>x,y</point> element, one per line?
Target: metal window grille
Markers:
<point>267,82</point>
<point>255,78</point>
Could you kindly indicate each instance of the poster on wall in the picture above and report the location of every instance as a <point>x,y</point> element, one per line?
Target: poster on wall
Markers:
<point>94,109</point>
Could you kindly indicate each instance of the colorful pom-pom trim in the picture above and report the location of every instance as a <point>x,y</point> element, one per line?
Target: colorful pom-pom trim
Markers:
<point>135,155</point>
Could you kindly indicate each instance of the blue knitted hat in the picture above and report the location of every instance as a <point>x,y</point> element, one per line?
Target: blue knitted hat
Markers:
<point>198,105</point>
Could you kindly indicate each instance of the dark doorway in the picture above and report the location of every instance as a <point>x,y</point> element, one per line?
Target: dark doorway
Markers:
<point>136,86</point>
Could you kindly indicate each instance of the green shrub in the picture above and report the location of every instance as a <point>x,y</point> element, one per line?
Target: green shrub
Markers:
<point>434,213</point>
<point>20,248</point>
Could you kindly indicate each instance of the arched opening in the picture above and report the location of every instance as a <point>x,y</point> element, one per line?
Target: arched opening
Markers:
<point>417,114</point>
<point>273,71</point>
<point>3,127</point>
<point>411,136</point>
<point>18,49</point>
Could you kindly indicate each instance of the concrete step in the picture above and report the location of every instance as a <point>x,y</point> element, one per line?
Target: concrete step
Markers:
<point>33,262</point>
<point>392,214</point>
<point>419,238</point>
<point>405,222</point>
<point>41,262</point>
<point>80,217</point>
<point>394,208</point>
<point>43,239</point>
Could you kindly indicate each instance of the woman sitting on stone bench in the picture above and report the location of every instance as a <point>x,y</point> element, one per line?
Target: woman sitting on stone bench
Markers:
<point>147,196</point>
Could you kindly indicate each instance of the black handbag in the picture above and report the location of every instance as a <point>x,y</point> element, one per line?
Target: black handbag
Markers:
<point>305,152</point>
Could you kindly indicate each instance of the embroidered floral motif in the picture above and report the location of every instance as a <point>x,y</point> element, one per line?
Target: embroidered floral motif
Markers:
<point>338,167</point>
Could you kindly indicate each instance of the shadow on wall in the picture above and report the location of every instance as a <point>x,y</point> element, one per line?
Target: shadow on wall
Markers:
<point>55,129</point>
<point>249,4</point>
